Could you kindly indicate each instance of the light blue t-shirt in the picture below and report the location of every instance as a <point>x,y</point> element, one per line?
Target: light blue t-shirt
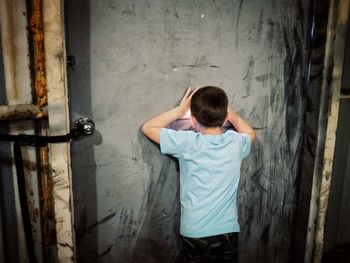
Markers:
<point>209,174</point>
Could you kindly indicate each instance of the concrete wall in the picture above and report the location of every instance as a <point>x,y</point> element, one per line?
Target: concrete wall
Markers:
<point>135,59</point>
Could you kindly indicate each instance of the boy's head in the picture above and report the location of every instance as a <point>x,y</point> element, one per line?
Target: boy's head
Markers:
<point>209,106</point>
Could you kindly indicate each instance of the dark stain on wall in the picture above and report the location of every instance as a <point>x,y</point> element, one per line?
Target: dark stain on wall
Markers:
<point>237,22</point>
<point>293,67</point>
<point>158,228</point>
<point>248,76</point>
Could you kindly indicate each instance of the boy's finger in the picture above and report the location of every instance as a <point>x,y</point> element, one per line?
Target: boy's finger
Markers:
<point>188,91</point>
<point>194,91</point>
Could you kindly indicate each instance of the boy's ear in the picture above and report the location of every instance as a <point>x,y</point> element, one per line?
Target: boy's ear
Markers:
<point>194,120</point>
<point>227,116</point>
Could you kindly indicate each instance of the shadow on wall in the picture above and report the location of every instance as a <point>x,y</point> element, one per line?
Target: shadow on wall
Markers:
<point>82,152</point>
<point>248,200</point>
<point>157,239</point>
<point>85,201</point>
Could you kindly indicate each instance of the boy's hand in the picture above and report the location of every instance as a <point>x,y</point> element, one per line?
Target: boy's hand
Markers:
<point>186,101</point>
<point>153,126</point>
<point>240,125</point>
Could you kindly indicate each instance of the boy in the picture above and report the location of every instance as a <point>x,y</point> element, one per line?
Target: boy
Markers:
<point>210,162</point>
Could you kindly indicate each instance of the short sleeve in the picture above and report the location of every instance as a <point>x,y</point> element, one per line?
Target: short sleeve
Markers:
<point>245,145</point>
<point>173,142</point>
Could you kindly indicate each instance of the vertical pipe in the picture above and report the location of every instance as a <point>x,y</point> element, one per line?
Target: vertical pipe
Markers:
<point>39,57</point>
<point>40,84</point>
<point>47,213</point>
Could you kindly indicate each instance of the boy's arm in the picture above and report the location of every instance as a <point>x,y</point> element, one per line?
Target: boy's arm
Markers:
<point>152,127</point>
<point>239,124</point>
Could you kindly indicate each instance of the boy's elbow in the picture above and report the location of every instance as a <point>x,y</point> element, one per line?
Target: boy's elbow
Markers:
<point>145,129</point>
<point>152,133</point>
<point>252,136</point>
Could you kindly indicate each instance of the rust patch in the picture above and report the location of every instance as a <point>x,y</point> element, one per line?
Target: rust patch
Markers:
<point>36,25</point>
<point>40,115</point>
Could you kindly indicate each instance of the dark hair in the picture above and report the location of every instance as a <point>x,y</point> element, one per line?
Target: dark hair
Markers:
<point>209,106</point>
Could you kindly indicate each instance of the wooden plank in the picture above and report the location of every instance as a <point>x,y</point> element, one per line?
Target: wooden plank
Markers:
<point>59,124</point>
<point>22,111</point>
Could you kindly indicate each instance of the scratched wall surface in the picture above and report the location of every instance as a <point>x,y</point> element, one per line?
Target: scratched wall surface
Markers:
<point>135,59</point>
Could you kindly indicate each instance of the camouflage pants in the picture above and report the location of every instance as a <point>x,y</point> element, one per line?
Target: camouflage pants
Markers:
<point>220,248</point>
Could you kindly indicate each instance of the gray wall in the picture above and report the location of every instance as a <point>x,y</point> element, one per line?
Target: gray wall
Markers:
<point>135,59</point>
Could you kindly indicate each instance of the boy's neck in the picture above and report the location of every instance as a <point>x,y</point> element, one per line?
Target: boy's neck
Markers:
<point>211,131</point>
